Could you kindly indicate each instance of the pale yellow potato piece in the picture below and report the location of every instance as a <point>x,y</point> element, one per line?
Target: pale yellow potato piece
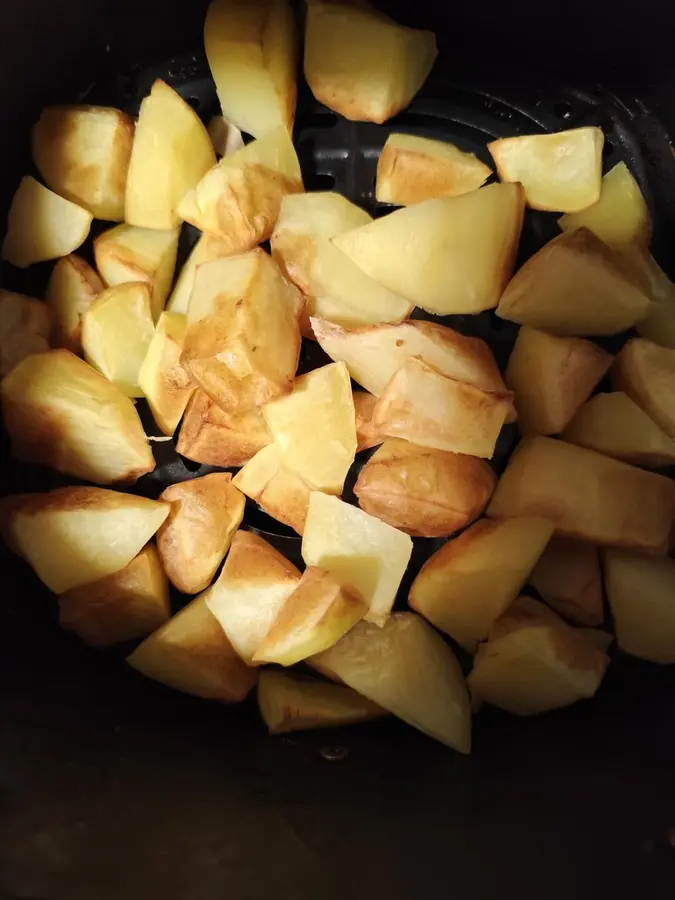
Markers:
<point>575,285</point>
<point>620,217</point>
<point>225,137</point>
<point>243,340</point>
<point>568,578</point>
<point>41,225</point>
<point>290,702</point>
<point>239,199</point>
<point>191,653</point>
<point>467,584</point>
<point>278,491</point>
<point>409,670</point>
<point>646,372</point>
<point>366,433</point>
<point>411,169</point>
<point>213,437</point>
<point>361,63</point>
<point>207,249</point>
<point>587,496</point>
<point>83,154</point>
<point>122,606</point>
<point>205,515</point>
<point>251,47</point>
<point>172,151</point>
<point>560,172</point>
<point>359,550</point>
<point>659,326</point>
<point>615,425</point>
<point>126,253</point>
<point>251,590</point>
<point>451,255</point>
<point>77,535</point>
<point>73,287</point>
<point>551,377</point>
<point>423,406</point>
<point>336,289</point>
<point>641,593</point>
<point>25,327</point>
<point>117,330</point>
<point>59,412</point>
<point>165,383</point>
<point>422,491</point>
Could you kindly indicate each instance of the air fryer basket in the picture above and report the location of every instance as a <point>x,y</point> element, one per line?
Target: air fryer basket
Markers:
<point>114,787</point>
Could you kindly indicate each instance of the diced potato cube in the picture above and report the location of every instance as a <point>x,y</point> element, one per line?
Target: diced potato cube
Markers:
<point>25,326</point>
<point>568,578</point>
<point>278,491</point>
<point>166,384</point>
<point>646,372</point>
<point>207,249</point>
<point>366,433</point>
<point>73,287</point>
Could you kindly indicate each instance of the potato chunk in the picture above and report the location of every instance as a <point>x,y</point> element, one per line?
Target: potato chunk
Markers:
<point>280,492</point>
<point>646,372</point>
<point>568,578</point>
<point>166,384</point>
<point>366,433</point>
<point>207,249</point>
<point>25,326</point>
<point>73,287</point>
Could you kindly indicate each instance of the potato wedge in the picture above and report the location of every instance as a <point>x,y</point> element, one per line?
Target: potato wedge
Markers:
<point>59,412</point>
<point>122,606</point>
<point>615,425</point>
<point>243,341</point>
<point>255,583</point>
<point>423,406</point>
<point>452,255</point>
<point>366,433</point>
<point>640,590</point>
<point>126,253</point>
<point>659,326</point>
<point>467,584</point>
<point>560,172</point>
<point>25,326</point>
<point>251,48</point>
<point>646,373</point>
<point>83,154</point>
<point>77,535</point>
<point>574,285</point>
<point>117,330</point>
<point>424,492</point>
<point>280,492</point>
<point>225,137</point>
<point>568,578</point>
<point>207,249</point>
<point>290,702</point>
<point>359,550</point>
<point>587,496</point>
<point>551,377</point>
<point>361,63</point>
<point>41,225</point>
<point>205,515</point>
<point>172,151</point>
<point>412,169</point>
<point>166,385</point>
<point>73,287</point>
<point>191,653</point>
<point>409,670</point>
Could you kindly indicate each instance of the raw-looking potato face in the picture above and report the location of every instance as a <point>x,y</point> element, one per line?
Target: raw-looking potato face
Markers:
<point>59,412</point>
<point>422,491</point>
<point>73,287</point>
<point>25,327</point>
<point>166,384</point>
<point>83,154</point>
<point>207,249</point>
<point>646,373</point>
<point>659,326</point>
<point>367,436</point>
<point>568,578</point>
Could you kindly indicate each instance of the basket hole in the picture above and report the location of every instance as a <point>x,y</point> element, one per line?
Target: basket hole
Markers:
<point>320,181</point>
<point>563,110</point>
<point>194,102</point>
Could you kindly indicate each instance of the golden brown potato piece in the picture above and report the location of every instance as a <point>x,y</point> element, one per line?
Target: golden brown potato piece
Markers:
<point>25,326</point>
<point>213,437</point>
<point>560,172</point>
<point>587,496</point>
<point>205,515</point>
<point>59,412</point>
<point>243,341</point>
<point>641,593</point>
<point>615,425</point>
<point>251,48</point>
<point>191,653</point>
<point>83,154</point>
<point>166,385</point>
<point>172,151</point>
<point>568,578</point>
<point>361,63</point>
<point>120,607</point>
<point>41,225</point>
<point>411,169</point>
<point>551,377</point>
<point>255,583</point>
<point>278,491</point>
<point>73,287</point>
<point>366,433</point>
<point>77,535</point>
<point>425,407</point>
<point>225,137</point>
<point>575,284</point>
<point>467,584</point>
<point>424,492</point>
<point>659,326</point>
<point>462,255</point>
<point>409,670</point>
<point>646,372</point>
<point>207,249</point>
